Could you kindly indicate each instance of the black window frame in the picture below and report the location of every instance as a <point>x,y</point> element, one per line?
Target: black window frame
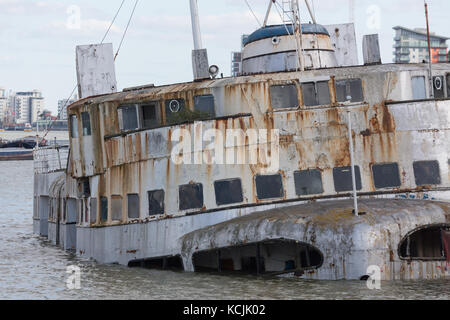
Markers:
<point>129,209</point>
<point>349,90</point>
<point>275,100</point>
<point>235,185</point>
<point>199,105</point>
<point>313,173</point>
<point>318,99</point>
<point>263,181</point>
<point>393,175</point>
<point>193,201</point>
<point>86,124</point>
<point>157,122</point>
<point>346,186</point>
<point>124,125</point>
<point>151,200</point>
<point>103,209</point>
<point>419,176</point>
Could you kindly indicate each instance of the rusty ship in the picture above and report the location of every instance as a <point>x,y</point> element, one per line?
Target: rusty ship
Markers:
<point>360,179</point>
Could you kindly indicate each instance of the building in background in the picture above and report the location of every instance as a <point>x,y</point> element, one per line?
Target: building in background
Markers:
<point>27,106</point>
<point>62,107</point>
<point>411,46</point>
<point>236,58</point>
<point>3,105</point>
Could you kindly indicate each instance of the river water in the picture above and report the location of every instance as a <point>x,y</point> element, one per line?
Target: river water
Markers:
<point>31,268</point>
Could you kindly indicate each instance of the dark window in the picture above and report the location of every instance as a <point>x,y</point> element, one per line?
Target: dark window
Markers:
<point>173,108</point>
<point>427,173</point>
<point>205,104</point>
<point>156,202</point>
<point>133,206</point>
<point>349,90</point>
<point>425,244</point>
<point>103,209</point>
<point>323,93</point>
<point>128,118</point>
<point>438,85</point>
<point>309,94</point>
<point>386,175</point>
<point>86,122</point>
<point>343,179</point>
<point>316,93</point>
<point>269,187</point>
<point>150,116</point>
<point>228,191</point>
<point>284,96</point>
<point>93,203</point>
<point>116,208</point>
<point>191,196</point>
<point>308,182</point>
<point>73,126</point>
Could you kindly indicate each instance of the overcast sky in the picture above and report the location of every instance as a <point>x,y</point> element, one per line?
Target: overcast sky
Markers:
<point>38,38</point>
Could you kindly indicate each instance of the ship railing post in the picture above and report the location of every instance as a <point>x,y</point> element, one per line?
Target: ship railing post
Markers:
<point>352,160</point>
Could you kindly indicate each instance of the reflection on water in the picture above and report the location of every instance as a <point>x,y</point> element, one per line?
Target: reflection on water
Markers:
<point>30,268</point>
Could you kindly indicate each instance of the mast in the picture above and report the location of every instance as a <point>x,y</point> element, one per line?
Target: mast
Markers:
<point>196,25</point>
<point>297,28</point>
<point>430,71</point>
<point>200,64</point>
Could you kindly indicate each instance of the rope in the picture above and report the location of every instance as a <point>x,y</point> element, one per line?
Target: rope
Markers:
<point>112,22</point>
<point>251,10</point>
<point>126,29</point>
<point>73,91</point>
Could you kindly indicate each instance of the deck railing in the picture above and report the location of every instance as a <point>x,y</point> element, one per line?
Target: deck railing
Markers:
<point>51,159</point>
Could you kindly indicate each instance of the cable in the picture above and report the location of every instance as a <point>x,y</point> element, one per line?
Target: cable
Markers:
<point>250,8</point>
<point>126,29</point>
<point>112,22</point>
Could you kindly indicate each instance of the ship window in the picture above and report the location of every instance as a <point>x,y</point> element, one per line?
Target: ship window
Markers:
<point>228,191</point>
<point>74,126</point>
<point>191,196</point>
<point>427,173</point>
<point>343,179</point>
<point>173,108</point>
<point>103,209</point>
<point>316,93</point>
<point>133,206</point>
<point>93,203</point>
<point>386,175</point>
<point>205,104</point>
<point>418,88</point>
<point>350,89</point>
<point>284,96</point>
<point>151,115</point>
<point>156,202</point>
<point>86,122</point>
<point>269,187</point>
<point>427,243</point>
<point>116,208</point>
<point>438,85</point>
<point>128,119</point>
<point>308,182</point>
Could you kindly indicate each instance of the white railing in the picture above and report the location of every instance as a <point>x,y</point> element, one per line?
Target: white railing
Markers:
<point>50,159</point>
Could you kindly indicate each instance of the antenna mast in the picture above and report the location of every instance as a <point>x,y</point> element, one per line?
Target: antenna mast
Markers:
<point>297,29</point>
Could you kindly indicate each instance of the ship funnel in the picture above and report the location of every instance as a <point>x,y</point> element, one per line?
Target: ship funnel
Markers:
<point>200,63</point>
